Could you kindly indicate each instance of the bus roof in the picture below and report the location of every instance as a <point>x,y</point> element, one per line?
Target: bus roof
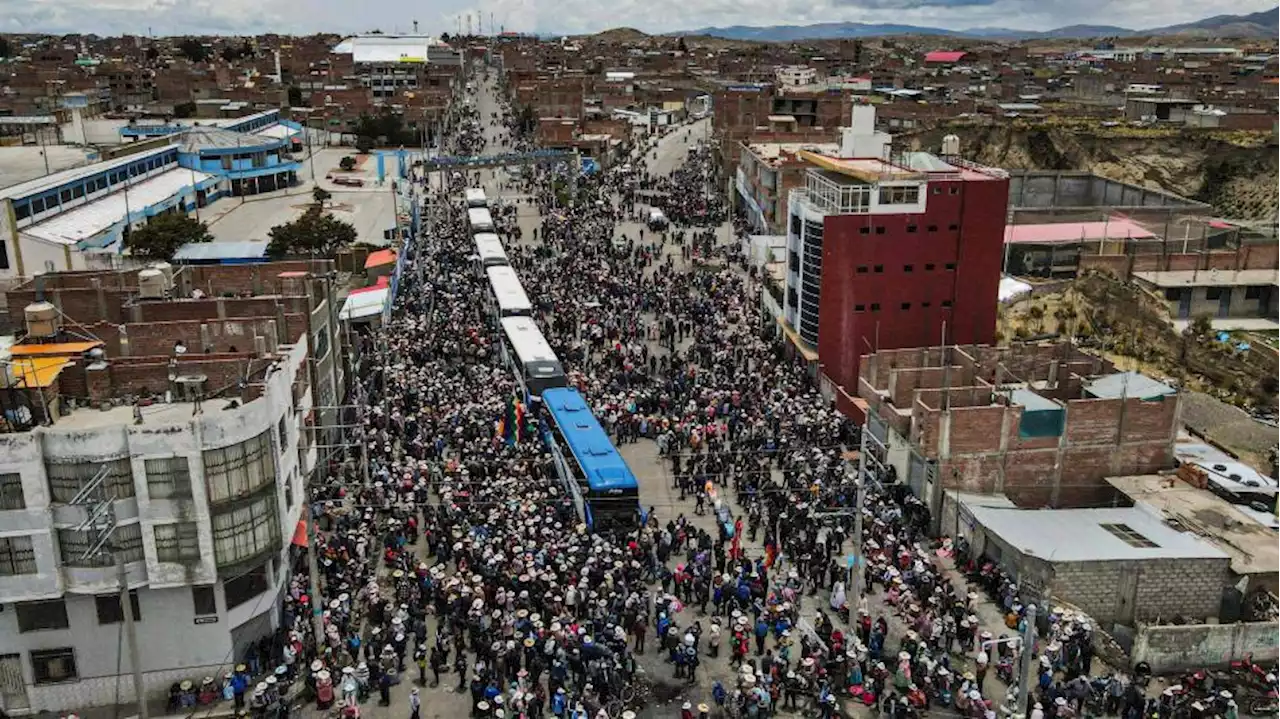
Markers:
<point>526,340</point>
<point>475,194</point>
<point>489,248</point>
<point>479,218</point>
<point>507,289</point>
<point>600,461</point>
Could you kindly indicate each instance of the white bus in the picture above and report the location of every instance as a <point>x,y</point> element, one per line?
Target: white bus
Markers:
<point>489,250</point>
<point>530,357</point>
<point>480,219</point>
<point>506,294</point>
<point>476,198</point>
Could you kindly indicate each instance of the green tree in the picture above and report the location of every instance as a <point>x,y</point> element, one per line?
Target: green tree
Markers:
<point>364,144</point>
<point>193,50</point>
<point>161,237</point>
<point>184,110</point>
<point>320,195</point>
<point>347,164</point>
<point>230,54</point>
<point>316,233</point>
<point>295,96</point>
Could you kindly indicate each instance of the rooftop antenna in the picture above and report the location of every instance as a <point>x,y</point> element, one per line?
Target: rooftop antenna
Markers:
<point>415,27</point>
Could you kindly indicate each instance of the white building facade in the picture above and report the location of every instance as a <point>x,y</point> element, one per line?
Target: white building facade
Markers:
<point>206,504</point>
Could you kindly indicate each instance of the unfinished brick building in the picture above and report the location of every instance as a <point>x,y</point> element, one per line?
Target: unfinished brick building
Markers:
<point>1040,424</point>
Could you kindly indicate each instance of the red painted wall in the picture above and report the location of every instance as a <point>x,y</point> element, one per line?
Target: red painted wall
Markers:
<point>905,273</point>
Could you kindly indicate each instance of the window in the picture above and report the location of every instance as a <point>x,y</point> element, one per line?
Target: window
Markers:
<point>239,470</point>
<point>953,190</point>
<point>933,228</point>
<point>246,531</point>
<point>288,493</point>
<point>908,268</point>
<point>65,195</point>
<point>16,556</point>
<point>911,229</point>
<point>283,429</point>
<point>946,303</point>
<point>109,608</point>
<point>953,227</point>
<point>950,266</point>
<point>928,267</point>
<point>1129,536</point>
<point>879,229</point>
<point>37,206</point>
<point>204,601</point>
<point>241,589</point>
<point>1253,293</point>
<point>322,344</point>
<point>906,306</point>
<point>126,539</point>
<point>862,269</point>
<point>937,189</point>
<point>875,306</point>
<point>177,542</point>
<point>66,479</point>
<point>859,308</point>
<point>77,191</point>
<point>1213,293</point>
<point>51,666</point>
<point>899,195</point>
<point>38,616</point>
<point>926,305</point>
<point>864,230</point>
<point>879,269</point>
<point>168,477</point>
<point>11,491</point>
<point>22,212</point>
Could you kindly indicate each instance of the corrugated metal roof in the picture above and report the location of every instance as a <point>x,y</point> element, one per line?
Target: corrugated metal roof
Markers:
<point>1079,535</point>
<point>88,220</point>
<point>944,56</point>
<point>38,371</point>
<point>56,349</point>
<point>364,304</point>
<point>217,138</point>
<point>380,258</point>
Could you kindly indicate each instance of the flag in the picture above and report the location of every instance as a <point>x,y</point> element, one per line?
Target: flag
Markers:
<point>770,554</point>
<point>519,419</point>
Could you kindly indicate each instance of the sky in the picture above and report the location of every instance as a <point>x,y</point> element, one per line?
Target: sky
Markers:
<point>235,17</point>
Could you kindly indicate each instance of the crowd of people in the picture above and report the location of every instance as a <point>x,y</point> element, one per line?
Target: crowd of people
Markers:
<point>450,556</point>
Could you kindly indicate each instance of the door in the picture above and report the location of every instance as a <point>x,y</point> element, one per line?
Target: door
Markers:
<point>1224,302</point>
<point>13,689</point>
<point>1184,304</point>
<point>1126,595</point>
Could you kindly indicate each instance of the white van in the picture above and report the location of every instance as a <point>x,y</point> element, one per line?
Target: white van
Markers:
<point>657,221</point>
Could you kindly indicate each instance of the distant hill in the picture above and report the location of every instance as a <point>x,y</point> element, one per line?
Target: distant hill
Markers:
<point>1265,24</point>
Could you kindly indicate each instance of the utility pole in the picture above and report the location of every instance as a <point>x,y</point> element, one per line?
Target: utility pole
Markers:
<point>1028,652</point>
<point>100,526</point>
<point>313,569</point>
<point>858,561</point>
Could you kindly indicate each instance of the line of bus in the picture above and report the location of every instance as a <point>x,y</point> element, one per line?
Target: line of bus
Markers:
<point>530,357</point>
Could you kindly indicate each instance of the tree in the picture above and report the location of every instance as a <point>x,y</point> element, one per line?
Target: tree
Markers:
<point>184,110</point>
<point>152,54</point>
<point>194,50</point>
<point>161,237</point>
<point>6,50</point>
<point>230,54</point>
<point>347,164</point>
<point>295,96</point>
<point>1201,326</point>
<point>316,233</point>
<point>364,143</point>
<point>320,195</point>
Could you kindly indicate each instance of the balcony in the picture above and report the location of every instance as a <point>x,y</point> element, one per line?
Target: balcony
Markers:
<point>829,193</point>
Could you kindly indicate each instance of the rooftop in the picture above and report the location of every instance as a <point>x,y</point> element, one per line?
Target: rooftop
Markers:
<point>1092,535</point>
<point>218,251</point>
<point>1253,548</point>
<point>1208,278</point>
<point>1069,232</point>
<point>202,137</point>
<point>1128,384</point>
<point>57,179</point>
<point>88,220</point>
<point>944,56</point>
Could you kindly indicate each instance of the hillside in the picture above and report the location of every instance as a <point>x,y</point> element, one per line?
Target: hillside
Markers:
<point>1235,172</point>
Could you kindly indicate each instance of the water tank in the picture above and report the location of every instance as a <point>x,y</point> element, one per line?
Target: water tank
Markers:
<point>151,284</point>
<point>951,145</point>
<point>42,319</point>
<point>165,269</point>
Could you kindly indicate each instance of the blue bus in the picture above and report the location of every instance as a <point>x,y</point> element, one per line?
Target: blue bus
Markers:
<point>590,467</point>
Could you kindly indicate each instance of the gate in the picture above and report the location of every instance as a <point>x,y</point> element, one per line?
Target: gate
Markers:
<point>13,688</point>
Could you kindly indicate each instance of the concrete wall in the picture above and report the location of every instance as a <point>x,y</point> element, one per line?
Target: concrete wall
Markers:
<point>1197,646</point>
